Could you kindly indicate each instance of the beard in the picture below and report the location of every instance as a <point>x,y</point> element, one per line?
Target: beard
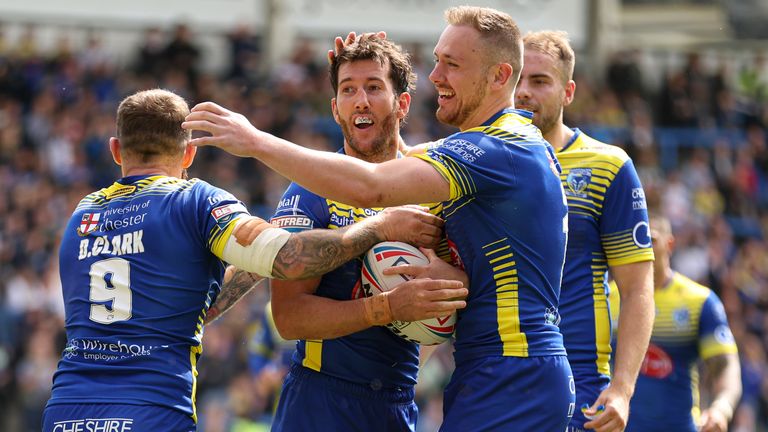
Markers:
<point>380,147</point>
<point>545,122</point>
<point>465,108</point>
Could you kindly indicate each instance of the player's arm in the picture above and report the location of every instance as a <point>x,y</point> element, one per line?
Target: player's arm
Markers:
<point>722,376</point>
<point>294,301</point>
<point>237,283</point>
<point>635,284</point>
<point>258,247</point>
<point>332,175</point>
<point>416,299</point>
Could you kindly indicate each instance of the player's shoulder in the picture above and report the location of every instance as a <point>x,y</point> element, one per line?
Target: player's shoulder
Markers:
<point>690,290</point>
<point>598,150</point>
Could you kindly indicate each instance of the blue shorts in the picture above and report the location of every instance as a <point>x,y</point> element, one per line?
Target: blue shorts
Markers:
<point>311,401</point>
<point>115,418</point>
<point>587,391</point>
<point>510,394</point>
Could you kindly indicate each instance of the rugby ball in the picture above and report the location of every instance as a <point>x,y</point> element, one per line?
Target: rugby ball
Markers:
<point>430,331</point>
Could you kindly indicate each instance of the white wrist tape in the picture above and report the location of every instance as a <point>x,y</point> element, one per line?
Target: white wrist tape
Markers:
<point>259,256</point>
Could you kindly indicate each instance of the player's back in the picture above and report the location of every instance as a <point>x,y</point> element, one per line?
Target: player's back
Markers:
<point>137,278</point>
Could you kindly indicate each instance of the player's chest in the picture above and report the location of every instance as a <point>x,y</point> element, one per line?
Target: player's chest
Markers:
<point>341,215</point>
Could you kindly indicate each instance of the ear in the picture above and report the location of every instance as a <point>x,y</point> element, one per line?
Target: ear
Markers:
<point>114,148</point>
<point>335,111</point>
<point>502,74</point>
<point>189,156</point>
<point>570,92</point>
<point>670,244</point>
<point>403,105</point>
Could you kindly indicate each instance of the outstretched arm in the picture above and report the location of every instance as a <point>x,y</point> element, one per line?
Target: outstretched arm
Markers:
<point>332,175</point>
<point>259,247</point>
<point>635,283</point>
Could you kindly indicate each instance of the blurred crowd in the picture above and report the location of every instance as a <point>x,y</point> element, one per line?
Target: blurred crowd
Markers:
<point>699,141</point>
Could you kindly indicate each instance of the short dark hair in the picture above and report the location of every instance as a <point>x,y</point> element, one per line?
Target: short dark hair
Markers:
<point>149,124</point>
<point>371,47</point>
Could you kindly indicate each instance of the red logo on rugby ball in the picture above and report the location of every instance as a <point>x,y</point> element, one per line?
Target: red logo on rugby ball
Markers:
<point>657,363</point>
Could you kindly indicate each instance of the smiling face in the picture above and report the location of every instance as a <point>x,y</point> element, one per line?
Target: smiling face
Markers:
<point>368,110</point>
<point>543,90</point>
<point>460,76</point>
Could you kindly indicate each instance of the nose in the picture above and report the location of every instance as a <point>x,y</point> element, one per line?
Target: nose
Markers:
<point>361,100</point>
<point>521,92</point>
<point>436,75</point>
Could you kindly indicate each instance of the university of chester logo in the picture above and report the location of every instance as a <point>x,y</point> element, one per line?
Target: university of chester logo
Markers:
<point>578,179</point>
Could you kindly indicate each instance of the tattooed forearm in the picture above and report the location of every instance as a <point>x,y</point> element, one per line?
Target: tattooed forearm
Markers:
<point>231,292</point>
<point>722,378</point>
<point>313,253</point>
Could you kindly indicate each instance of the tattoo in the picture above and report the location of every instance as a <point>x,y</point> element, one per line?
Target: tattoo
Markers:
<point>231,292</point>
<point>313,253</point>
<point>714,367</point>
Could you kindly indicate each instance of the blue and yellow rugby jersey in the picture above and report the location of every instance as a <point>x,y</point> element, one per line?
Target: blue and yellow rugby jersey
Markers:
<point>505,224</point>
<point>375,356</point>
<point>607,225</point>
<point>690,325</point>
<point>138,272</point>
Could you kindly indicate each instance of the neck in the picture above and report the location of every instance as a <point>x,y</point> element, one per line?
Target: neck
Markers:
<point>152,170</point>
<point>389,154</point>
<point>487,110</point>
<point>559,136</point>
<point>661,276</point>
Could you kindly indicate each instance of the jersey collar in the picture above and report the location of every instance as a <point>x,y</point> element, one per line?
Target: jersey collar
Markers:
<point>527,115</point>
<point>574,138</point>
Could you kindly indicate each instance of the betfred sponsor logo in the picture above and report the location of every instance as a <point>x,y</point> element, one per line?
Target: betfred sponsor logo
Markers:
<point>657,363</point>
<point>94,425</point>
<point>221,212</point>
<point>292,221</point>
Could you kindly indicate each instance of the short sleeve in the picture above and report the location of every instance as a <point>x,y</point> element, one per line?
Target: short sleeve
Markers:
<point>715,337</point>
<point>624,229</point>
<point>300,210</point>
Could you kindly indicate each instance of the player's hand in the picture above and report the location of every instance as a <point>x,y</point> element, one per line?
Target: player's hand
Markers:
<point>419,299</point>
<point>229,130</point>
<point>437,269</point>
<point>615,413</point>
<point>411,224</point>
<point>339,43</point>
<point>713,420</point>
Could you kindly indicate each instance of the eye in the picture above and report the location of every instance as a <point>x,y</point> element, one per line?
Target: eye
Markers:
<point>347,90</point>
<point>374,87</point>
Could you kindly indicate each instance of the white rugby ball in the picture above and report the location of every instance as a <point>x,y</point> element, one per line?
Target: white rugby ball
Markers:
<point>430,331</point>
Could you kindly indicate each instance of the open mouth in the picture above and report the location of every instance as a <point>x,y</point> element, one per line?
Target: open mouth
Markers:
<point>444,94</point>
<point>363,122</point>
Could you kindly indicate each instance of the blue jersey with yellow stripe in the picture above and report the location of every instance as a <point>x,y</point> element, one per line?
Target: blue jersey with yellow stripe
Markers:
<point>607,225</point>
<point>139,269</point>
<point>374,357</point>
<point>506,226</point>
<point>690,325</point>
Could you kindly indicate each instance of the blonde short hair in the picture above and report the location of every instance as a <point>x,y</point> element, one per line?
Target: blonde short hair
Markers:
<point>497,29</point>
<point>556,45</point>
